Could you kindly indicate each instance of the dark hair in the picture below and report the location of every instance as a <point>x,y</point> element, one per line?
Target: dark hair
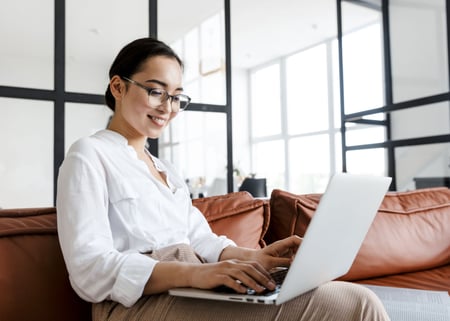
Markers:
<point>132,56</point>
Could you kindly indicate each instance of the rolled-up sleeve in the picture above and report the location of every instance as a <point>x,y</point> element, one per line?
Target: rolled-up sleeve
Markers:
<point>207,244</point>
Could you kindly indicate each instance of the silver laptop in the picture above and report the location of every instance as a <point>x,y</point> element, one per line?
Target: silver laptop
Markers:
<point>330,244</point>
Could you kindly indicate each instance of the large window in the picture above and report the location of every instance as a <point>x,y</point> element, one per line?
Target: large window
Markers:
<point>295,113</point>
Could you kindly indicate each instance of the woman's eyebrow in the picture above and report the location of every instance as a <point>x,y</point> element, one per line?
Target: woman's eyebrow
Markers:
<point>161,83</point>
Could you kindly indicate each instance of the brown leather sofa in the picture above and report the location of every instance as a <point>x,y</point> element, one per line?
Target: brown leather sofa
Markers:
<point>408,245</point>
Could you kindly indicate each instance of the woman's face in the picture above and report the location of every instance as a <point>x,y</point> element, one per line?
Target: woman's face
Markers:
<point>138,115</point>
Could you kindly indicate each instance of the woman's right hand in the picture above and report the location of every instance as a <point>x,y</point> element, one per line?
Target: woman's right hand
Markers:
<point>235,274</point>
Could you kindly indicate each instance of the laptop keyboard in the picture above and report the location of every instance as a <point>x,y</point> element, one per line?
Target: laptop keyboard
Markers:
<point>278,276</point>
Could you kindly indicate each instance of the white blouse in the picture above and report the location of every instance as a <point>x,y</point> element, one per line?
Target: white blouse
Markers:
<point>111,209</point>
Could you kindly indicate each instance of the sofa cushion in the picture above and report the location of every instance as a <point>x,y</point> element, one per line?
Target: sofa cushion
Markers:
<point>411,231</point>
<point>290,214</point>
<point>238,216</point>
<point>435,279</point>
<point>34,283</point>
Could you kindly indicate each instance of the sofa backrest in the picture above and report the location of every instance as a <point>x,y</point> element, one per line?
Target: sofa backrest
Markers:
<point>34,284</point>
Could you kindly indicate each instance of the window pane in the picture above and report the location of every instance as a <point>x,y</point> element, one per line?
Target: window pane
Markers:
<point>362,57</point>
<point>307,91</point>
<point>265,101</point>
<point>367,161</point>
<point>427,120</point>
<point>336,84</point>
<point>209,85</point>
<point>27,43</point>
<point>309,161</point>
<point>191,55</point>
<point>84,120</point>
<point>423,164</point>
<point>360,135</point>
<point>198,149</point>
<point>418,50</point>
<point>200,42</point>
<point>269,162</point>
<point>26,165</point>
<point>337,151</point>
<point>95,32</point>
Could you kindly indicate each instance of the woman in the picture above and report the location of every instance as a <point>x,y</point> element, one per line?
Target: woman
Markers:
<point>129,232</point>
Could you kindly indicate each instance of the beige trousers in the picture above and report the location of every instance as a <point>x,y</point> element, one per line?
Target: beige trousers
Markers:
<point>334,301</point>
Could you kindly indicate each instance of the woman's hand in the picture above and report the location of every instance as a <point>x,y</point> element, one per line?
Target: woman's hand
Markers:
<point>279,253</point>
<point>241,266</point>
<point>235,274</point>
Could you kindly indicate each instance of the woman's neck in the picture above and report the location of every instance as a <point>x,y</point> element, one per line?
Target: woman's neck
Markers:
<point>135,140</point>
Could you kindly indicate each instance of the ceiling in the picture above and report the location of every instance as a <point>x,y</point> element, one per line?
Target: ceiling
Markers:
<point>260,29</point>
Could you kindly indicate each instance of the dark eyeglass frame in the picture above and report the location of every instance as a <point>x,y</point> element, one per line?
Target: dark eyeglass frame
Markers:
<point>165,95</point>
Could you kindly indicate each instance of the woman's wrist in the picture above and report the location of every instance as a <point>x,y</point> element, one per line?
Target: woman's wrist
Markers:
<point>238,253</point>
<point>162,278</point>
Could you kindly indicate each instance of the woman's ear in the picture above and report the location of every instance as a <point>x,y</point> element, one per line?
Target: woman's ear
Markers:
<point>117,87</point>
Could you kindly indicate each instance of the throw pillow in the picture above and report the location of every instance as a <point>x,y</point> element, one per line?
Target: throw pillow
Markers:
<point>238,216</point>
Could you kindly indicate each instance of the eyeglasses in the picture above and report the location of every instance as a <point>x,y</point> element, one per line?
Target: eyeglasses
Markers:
<point>157,97</point>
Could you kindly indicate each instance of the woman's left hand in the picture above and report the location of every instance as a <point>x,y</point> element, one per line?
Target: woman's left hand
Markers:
<point>279,253</point>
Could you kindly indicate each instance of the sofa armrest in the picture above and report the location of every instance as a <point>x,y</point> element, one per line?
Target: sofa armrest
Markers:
<point>34,283</point>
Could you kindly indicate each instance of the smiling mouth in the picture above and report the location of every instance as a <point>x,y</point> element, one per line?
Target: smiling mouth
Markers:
<point>159,121</point>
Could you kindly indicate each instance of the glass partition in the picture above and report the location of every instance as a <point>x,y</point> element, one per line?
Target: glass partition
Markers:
<point>362,51</point>
<point>365,134</point>
<point>419,56</point>
<point>422,166</point>
<point>26,142</point>
<point>196,144</point>
<point>427,120</point>
<point>196,141</point>
<point>95,32</point>
<point>27,43</point>
<point>367,161</point>
<point>83,120</point>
